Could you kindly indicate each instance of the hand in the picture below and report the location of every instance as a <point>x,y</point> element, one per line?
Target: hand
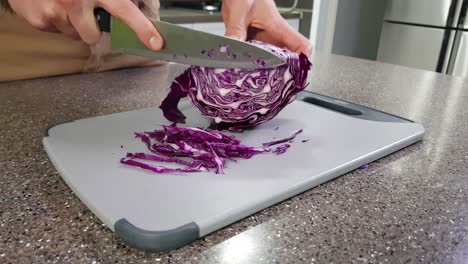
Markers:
<point>260,20</point>
<point>76,18</point>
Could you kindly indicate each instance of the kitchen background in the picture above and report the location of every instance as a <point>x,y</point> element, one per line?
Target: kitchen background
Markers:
<point>205,14</point>
<point>424,34</point>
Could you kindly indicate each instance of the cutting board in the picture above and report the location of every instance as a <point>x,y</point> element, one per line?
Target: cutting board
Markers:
<point>159,212</point>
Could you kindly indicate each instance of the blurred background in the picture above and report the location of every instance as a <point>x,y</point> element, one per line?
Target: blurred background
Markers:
<point>425,34</point>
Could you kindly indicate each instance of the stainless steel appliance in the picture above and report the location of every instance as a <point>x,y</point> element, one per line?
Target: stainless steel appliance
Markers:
<point>426,34</point>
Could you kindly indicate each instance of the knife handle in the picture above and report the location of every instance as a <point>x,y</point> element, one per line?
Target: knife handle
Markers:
<point>103,19</point>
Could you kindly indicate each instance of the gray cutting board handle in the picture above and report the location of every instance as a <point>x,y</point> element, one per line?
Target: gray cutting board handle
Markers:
<point>156,241</point>
<point>348,108</point>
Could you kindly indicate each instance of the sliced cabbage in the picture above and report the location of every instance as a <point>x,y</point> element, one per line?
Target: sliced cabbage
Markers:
<point>195,149</point>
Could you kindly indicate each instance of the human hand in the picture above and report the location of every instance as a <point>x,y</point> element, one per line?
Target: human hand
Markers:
<point>76,18</point>
<point>260,20</point>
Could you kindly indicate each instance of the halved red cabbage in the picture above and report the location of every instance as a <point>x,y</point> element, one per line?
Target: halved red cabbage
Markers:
<point>195,149</point>
<point>239,98</point>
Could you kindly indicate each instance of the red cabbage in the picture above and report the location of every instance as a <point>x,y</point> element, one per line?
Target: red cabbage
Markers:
<point>276,142</point>
<point>364,167</point>
<point>239,98</point>
<point>195,149</point>
<point>144,156</point>
<point>159,169</point>
<point>281,149</point>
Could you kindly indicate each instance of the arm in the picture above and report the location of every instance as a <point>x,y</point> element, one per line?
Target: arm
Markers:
<point>260,20</point>
<point>76,18</point>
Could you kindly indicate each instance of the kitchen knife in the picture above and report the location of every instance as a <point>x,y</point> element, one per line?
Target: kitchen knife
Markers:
<point>188,46</point>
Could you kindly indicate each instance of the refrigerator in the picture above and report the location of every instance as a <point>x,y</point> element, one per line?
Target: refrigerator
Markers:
<point>426,34</point>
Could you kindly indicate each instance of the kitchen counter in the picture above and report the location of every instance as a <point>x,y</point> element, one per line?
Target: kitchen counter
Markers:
<point>411,206</point>
<point>182,15</point>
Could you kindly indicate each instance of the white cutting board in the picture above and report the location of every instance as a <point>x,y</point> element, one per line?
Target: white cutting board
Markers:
<point>158,212</point>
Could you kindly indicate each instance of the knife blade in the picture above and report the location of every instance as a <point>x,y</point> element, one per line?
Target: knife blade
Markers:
<point>188,46</point>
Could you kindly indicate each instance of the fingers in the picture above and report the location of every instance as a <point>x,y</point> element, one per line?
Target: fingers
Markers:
<point>283,35</point>
<point>36,15</point>
<point>235,15</point>
<point>260,19</point>
<point>76,18</point>
<point>129,13</point>
<point>81,16</point>
<point>59,19</point>
<point>236,31</point>
<point>305,45</point>
<point>290,38</point>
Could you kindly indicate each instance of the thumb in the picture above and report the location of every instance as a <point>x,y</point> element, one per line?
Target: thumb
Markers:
<point>236,31</point>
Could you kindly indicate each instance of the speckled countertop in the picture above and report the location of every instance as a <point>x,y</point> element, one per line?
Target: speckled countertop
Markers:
<point>408,207</point>
<point>182,15</point>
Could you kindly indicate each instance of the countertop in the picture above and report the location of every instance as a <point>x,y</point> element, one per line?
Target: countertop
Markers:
<point>408,207</point>
<point>182,15</point>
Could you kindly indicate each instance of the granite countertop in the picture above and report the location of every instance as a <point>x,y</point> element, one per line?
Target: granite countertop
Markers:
<point>182,15</point>
<point>408,207</point>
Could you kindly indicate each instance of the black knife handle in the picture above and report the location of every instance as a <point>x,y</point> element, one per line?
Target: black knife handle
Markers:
<point>103,19</point>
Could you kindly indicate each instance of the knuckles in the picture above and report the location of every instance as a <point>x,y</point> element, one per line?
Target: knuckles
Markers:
<point>45,19</point>
<point>49,14</point>
<point>40,23</point>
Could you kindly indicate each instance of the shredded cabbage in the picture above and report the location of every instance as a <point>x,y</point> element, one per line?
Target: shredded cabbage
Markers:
<point>276,142</point>
<point>281,149</point>
<point>195,149</point>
